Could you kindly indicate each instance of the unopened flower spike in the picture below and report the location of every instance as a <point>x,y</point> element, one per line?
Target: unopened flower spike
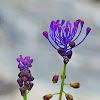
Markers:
<point>25,77</point>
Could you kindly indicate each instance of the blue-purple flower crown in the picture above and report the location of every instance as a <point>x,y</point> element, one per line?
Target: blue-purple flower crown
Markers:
<point>64,36</point>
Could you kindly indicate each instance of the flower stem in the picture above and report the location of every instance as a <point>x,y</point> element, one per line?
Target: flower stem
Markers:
<point>66,84</point>
<point>25,96</point>
<point>56,93</point>
<point>59,72</point>
<point>62,83</point>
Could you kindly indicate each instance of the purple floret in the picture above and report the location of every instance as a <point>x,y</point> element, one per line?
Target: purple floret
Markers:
<point>24,63</point>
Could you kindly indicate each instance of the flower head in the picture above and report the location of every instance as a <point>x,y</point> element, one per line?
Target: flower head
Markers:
<point>24,63</point>
<point>25,77</point>
<point>62,37</point>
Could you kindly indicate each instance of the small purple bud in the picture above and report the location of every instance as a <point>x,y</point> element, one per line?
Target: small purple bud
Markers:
<point>22,90</point>
<point>69,54</point>
<point>24,78</point>
<point>60,51</point>
<point>55,78</point>
<point>52,23</point>
<point>28,64</point>
<point>88,30</point>
<point>66,29</point>
<point>20,74</point>
<point>21,58</point>
<point>28,71</point>
<point>25,73</point>
<point>27,84</point>
<point>31,78</point>
<point>73,30</point>
<point>31,85</point>
<point>72,44</point>
<point>20,82</point>
<point>62,22</point>
<point>76,24</point>
<point>82,23</point>
<point>18,60</point>
<point>79,20</point>
<point>59,29</point>
<point>20,66</point>
<point>57,21</point>
<point>55,27</point>
<point>45,34</point>
<point>31,61</point>
<point>28,75</point>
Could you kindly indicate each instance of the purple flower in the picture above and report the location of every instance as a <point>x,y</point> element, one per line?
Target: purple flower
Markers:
<point>62,37</point>
<point>25,77</point>
<point>24,63</point>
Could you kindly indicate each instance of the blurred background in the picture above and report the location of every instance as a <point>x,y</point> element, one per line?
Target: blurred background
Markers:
<point>21,25</point>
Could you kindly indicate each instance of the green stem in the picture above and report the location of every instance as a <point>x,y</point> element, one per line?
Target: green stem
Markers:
<point>56,93</point>
<point>66,84</point>
<point>59,72</point>
<point>25,96</point>
<point>62,83</point>
<point>64,92</point>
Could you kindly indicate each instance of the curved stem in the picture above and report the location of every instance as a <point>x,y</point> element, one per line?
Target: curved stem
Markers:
<point>56,93</point>
<point>59,72</point>
<point>25,96</point>
<point>62,83</point>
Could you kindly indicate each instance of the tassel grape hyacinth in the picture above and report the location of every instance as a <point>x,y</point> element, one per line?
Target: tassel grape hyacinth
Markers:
<point>25,77</point>
<point>62,37</point>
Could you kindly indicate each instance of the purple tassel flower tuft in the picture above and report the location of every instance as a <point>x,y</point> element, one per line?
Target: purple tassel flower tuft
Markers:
<point>62,37</point>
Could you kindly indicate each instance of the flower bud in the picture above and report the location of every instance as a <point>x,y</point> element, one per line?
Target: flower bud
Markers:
<point>30,86</point>
<point>24,78</point>
<point>69,54</point>
<point>20,82</point>
<point>22,90</point>
<point>45,34</point>
<point>62,22</point>
<point>31,78</point>
<point>47,97</point>
<point>72,44</point>
<point>27,85</point>
<point>82,23</point>
<point>62,76</point>
<point>75,85</point>
<point>88,30</point>
<point>66,60</point>
<point>68,96</point>
<point>20,74</point>
<point>55,78</point>
<point>60,51</point>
